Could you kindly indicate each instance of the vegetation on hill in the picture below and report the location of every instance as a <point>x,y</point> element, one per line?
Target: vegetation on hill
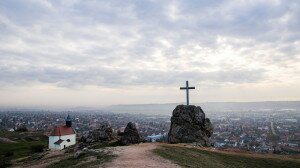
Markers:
<point>15,145</point>
<point>22,144</point>
<point>23,136</point>
<point>27,149</point>
<point>21,149</point>
<point>96,154</point>
<point>85,160</point>
<point>194,157</point>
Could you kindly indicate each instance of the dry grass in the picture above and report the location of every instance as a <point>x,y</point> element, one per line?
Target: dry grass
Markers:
<point>205,158</point>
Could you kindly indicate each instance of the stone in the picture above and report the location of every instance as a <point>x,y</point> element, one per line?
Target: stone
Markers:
<point>78,154</point>
<point>130,135</point>
<point>189,125</point>
<point>103,133</point>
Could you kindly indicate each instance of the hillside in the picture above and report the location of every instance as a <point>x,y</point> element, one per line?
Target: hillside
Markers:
<point>143,155</point>
<point>200,157</point>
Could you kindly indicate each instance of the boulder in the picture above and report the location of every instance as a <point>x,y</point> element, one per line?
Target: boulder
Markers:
<point>130,135</point>
<point>78,154</point>
<point>103,133</point>
<point>188,125</point>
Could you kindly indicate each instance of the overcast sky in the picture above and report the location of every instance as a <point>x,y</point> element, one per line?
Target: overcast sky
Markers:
<point>94,53</point>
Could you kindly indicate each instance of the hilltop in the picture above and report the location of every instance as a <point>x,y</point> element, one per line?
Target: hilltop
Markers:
<point>185,155</point>
<point>146,155</point>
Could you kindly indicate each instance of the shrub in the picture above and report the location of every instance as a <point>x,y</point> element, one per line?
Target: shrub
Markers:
<point>5,162</point>
<point>22,129</point>
<point>8,154</point>
<point>37,148</point>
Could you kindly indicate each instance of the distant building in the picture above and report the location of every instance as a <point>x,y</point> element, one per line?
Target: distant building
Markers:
<point>62,136</point>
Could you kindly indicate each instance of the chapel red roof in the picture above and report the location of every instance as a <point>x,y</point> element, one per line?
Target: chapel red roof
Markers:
<point>62,130</point>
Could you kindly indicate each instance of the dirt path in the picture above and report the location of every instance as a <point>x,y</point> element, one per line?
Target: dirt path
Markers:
<point>140,156</point>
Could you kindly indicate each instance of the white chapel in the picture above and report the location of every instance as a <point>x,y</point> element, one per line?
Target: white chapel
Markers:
<point>62,136</point>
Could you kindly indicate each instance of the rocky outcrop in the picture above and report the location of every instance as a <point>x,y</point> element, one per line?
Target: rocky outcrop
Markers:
<point>103,133</point>
<point>188,125</point>
<point>130,135</point>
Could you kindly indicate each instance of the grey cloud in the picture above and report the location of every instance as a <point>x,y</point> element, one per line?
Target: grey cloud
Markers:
<point>121,77</point>
<point>109,38</point>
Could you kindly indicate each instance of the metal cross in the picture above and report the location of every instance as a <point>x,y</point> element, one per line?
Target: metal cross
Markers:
<point>187,91</point>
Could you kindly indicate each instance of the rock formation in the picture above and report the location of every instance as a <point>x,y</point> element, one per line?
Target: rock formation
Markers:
<point>130,135</point>
<point>188,125</point>
<point>103,133</point>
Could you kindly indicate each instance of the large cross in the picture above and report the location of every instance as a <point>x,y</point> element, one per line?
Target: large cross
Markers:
<point>187,91</point>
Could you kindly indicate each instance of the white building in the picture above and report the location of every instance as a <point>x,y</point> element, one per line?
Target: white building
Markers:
<point>62,136</point>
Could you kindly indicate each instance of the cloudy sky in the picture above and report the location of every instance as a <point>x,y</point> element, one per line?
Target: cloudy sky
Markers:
<point>93,53</point>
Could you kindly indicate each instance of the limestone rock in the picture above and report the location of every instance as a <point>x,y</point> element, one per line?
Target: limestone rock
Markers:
<point>103,133</point>
<point>130,135</point>
<point>188,125</point>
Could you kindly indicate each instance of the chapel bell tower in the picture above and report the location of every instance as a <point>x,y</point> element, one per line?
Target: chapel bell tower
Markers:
<point>68,121</point>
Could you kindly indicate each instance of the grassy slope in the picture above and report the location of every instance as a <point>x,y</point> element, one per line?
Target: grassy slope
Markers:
<point>191,157</point>
<point>24,141</point>
<point>87,160</point>
<point>23,136</point>
<point>22,153</point>
<point>20,149</point>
